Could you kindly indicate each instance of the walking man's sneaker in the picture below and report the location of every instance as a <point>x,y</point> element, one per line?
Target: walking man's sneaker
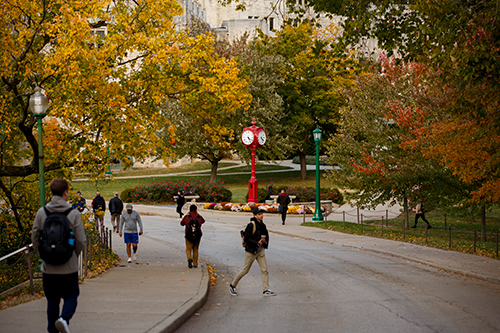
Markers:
<point>135,257</point>
<point>414,226</point>
<point>232,290</point>
<point>429,226</point>
<point>190,263</point>
<point>129,260</point>
<point>268,292</point>
<point>62,325</point>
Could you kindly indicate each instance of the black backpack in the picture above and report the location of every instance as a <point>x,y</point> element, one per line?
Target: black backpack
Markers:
<point>98,203</point>
<point>57,240</point>
<point>193,233</point>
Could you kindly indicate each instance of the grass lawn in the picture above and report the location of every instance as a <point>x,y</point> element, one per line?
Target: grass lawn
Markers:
<point>196,166</point>
<point>462,235</point>
<point>238,184</point>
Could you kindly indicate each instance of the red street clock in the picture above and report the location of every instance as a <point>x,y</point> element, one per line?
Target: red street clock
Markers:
<point>253,137</point>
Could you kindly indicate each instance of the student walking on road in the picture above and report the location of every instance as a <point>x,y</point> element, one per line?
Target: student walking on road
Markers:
<point>99,207</point>
<point>60,280</point>
<point>420,213</point>
<point>116,209</point>
<point>128,225</point>
<point>180,203</point>
<point>257,240</point>
<point>193,222</point>
<point>80,203</point>
<point>283,200</point>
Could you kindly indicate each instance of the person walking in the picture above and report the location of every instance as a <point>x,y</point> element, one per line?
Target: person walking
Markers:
<point>99,208</point>
<point>180,203</point>
<point>116,209</point>
<point>80,203</point>
<point>419,210</point>
<point>128,226</point>
<point>192,221</point>
<point>283,200</point>
<point>61,280</point>
<point>257,240</point>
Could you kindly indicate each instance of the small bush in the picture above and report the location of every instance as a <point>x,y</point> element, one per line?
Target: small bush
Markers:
<point>125,195</point>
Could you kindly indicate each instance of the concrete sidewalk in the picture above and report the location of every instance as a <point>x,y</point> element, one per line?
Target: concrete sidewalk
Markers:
<point>159,293</point>
<point>155,294</point>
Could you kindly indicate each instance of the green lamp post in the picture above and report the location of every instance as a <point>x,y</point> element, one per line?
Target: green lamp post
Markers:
<point>317,210</point>
<point>38,105</point>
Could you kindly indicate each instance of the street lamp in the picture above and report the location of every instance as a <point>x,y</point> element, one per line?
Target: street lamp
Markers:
<point>317,210</point>
<point>38,106</point>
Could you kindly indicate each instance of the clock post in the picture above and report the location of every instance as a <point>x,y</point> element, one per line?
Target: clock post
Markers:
<point>253,138</point>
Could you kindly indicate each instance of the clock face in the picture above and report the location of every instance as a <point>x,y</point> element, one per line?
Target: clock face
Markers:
<point>247,137</point>
<point>262,137</point>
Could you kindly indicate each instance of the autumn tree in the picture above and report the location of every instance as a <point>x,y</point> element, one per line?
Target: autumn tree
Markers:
<point>106,67</point>
<point>213,133</point>
<point>372,148</point>
<point>313,76</point>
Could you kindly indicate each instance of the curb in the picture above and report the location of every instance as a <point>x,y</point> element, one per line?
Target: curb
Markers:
<point>175,319</point>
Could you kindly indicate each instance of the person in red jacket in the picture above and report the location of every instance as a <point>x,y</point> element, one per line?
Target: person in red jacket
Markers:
<point>192,221</point>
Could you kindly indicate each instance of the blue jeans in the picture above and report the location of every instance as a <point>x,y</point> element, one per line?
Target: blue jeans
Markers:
<point>57,286</point>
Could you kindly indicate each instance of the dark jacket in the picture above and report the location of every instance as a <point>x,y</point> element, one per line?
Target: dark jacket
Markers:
<point>181,200</point>
<point>80,204</point>
<point>99,204</point>
<point>283,199</point>
<point>115,205</point>
<point>185,221</point>
<point>252,240</point>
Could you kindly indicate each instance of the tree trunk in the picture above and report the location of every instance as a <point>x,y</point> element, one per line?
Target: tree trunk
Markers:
<point>303,166</point>
<point>483,222</point>
<point>471,213</point>
<point>213,174</point>
<point>406,214</point>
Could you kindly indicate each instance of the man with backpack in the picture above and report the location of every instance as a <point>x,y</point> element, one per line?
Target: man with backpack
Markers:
<point>193,222</point>
<point>99,207</point>
<point>255,240</point>
<point>58,236</point>
<point>116,209</point>
<point>128,224</point>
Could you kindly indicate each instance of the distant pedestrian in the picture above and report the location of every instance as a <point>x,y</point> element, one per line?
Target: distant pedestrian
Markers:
<point>116,209</point>
<point>257,240</point>
<point>128,225</point>
<point>419,210</point>
<point>80,203</point>
<point>99,208</point>
<point>283,200</point>
<point>180,203</point>
<point>193,222</point>
<point>60,280</point>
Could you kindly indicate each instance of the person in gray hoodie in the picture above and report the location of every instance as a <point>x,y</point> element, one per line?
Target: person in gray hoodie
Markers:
<point>128,225</point>
<point>60,281</point>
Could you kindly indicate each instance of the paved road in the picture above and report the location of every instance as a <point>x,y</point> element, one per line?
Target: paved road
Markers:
<point>328,288</point>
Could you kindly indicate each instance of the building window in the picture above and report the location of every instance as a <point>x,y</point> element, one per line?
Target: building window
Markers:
<point>271,23</point>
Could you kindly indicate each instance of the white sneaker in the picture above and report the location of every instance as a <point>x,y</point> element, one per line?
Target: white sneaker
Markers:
<point>129,260</point>
<point>134,257</point>
<point>62,325</point>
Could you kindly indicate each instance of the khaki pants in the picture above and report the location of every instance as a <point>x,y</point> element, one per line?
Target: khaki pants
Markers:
<point>192,251</point>
<point>249,259</point>
<point>115,221</point>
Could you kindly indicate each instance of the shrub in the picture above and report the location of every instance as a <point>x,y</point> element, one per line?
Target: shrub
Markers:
<point>207,190</point>
<point>331,194</point>
<point>125,195</point>
<point>305,194</point>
